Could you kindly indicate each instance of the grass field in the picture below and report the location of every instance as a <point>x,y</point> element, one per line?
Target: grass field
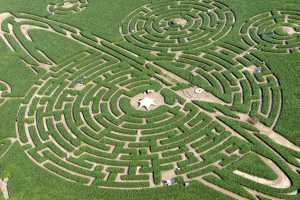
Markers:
<point>107,100</point>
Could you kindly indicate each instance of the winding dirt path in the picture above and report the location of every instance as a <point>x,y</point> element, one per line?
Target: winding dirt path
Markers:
<point>222,190</point>
<point>281,182</point>
<point>3,187</point>
<point>276,137</point>
<point>3,17</point>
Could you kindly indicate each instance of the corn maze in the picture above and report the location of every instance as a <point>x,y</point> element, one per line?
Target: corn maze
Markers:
<point>177,25</point>
<point>77,121</point>
<point>274,32</point>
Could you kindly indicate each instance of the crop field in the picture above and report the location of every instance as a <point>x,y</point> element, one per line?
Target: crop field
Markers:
<point>149,99</point>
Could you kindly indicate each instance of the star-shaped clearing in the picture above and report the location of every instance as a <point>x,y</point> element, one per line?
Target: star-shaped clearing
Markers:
<point>146,103</point>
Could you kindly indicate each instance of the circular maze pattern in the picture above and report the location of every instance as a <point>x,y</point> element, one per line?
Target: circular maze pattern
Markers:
<point>77,120</point>
<point>178,25</point>
<point>92,135</point>
<point>275,31</point>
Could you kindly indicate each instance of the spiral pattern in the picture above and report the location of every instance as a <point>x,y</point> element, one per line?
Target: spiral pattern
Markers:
<point>177,25</point>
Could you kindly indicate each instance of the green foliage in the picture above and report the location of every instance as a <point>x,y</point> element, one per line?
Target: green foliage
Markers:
<point>253,165</point>
<point>90,140</point>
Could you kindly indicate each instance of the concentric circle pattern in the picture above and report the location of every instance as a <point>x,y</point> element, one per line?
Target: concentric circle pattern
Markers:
<point>78,123</point>
<point>217,108</point>
<point>67,6</point>
<point>275,31</point>
<point>178,25</point>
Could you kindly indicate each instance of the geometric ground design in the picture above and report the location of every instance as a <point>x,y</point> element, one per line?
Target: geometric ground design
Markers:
<point>221,100</point>
<point>275,31</point>
<point>152,27</point>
